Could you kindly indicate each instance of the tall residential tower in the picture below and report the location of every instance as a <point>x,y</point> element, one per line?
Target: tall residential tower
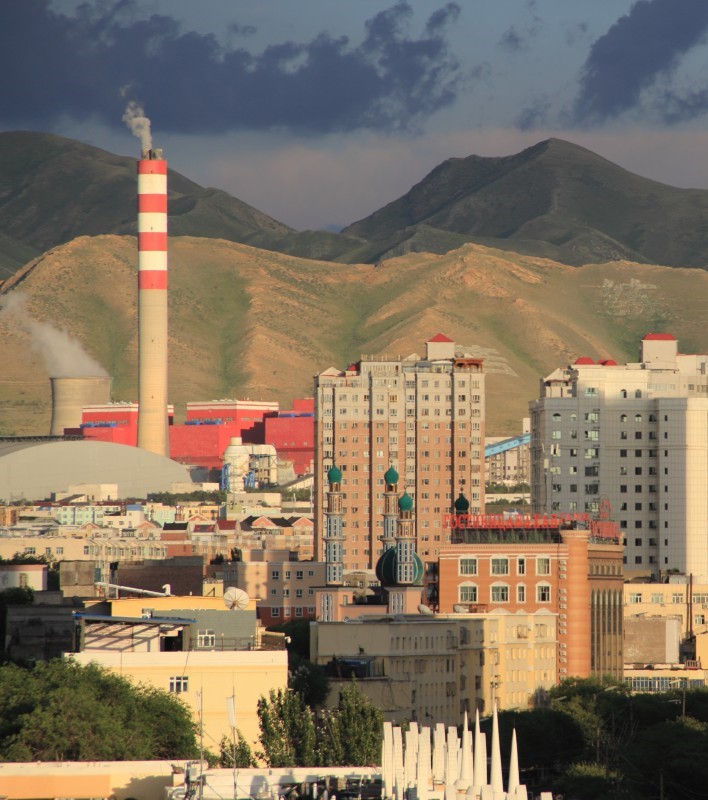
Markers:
<point>424,417</point>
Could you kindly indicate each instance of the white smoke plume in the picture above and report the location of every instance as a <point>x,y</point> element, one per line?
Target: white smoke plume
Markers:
<point>134,117</point>
<point>64,357</point>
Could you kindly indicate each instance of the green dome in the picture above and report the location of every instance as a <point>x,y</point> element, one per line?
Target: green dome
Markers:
<point>462,504</point>
<point>334,475</point>
<point>391,476</point>
<point>405,502</point>
<point>386,568</point>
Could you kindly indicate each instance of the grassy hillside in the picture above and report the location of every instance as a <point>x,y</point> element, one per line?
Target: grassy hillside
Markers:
<point>252,323</point>
<point>580,206</point>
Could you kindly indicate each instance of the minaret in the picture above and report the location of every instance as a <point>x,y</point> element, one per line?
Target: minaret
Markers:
<point>152,303</point>
<point>334,538</point>
<point>390,520</point>
<point>405,542</point>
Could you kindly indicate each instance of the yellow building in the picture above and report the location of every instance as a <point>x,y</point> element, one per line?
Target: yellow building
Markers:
<point>193,647</point>
<point>446,663</point>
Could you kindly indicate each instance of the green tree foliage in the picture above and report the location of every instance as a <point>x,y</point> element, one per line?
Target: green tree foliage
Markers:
<point>351,734</point>
<point>287,730</point>
<point>588,781</point>
<point>309,680</point>
<point>171,499</point>
<point>60,710</point>
<point>235,754</point>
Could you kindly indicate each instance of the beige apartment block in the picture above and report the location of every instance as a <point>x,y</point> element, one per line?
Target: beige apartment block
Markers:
<point>447,663</point>
<point>424,416</point>
<point>632,439</point>
<point>679,599</point>
<point>283,588</point>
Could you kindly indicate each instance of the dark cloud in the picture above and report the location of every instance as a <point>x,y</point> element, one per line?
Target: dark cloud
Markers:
<point>512,41</point>
<point>534,115</point>
<point>645,44</point>
<point>53,66</point>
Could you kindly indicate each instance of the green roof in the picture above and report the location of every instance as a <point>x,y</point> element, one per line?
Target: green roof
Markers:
<point>334,474</point>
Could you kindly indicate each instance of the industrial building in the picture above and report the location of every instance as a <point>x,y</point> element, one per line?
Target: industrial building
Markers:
<point>425,416</point>
<point>633,439</point>
<point>33,469</point>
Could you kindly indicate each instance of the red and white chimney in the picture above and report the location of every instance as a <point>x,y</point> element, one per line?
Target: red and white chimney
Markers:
<point>153,431</point>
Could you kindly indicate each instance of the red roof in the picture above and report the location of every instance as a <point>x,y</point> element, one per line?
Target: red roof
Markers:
<point>608,362</point>
<point>440,337</point>
<point>584,360</point>
<point>660,337</point>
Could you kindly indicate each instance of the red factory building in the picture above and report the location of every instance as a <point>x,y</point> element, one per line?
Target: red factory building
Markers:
<point>209,428</point>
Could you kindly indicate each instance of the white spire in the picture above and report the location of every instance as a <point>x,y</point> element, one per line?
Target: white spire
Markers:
<point>495,779</point>
<point>513,766</point>
<point>480,756</point>
<point>467,762</point>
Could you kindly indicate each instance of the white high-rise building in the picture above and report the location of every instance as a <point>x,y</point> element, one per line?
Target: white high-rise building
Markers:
<point>630,441</point>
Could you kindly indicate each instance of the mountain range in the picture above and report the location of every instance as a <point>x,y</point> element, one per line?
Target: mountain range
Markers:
<point>553,200</point>
<point>245,322</point>
<point>528,261</point>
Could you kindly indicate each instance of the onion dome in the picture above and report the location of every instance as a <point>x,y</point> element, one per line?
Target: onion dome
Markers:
<point>334,474</point>
<point>462,504</point>
<point>405,502</point>
<point>391,476</point>
<point>387,566</point>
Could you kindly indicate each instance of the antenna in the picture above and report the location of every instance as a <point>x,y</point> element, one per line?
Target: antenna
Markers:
<point>236,599</point>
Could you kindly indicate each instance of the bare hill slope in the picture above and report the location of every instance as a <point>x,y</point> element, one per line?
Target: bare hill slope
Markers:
<point>248,322</point>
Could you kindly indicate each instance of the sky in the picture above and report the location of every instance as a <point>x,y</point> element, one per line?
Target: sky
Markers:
<point>319,112</point>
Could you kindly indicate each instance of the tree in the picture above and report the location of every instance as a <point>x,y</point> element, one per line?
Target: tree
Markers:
<point>61,710</point>
<point>351,734</point>
<point>309,680</point>
<point>235,754</point>
<point>287,730</point>
<point>589,782</point>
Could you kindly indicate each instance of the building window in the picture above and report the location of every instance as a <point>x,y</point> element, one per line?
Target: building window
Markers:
<point>543,566</point>
<point>500,566</point>
<point>521,566</point>
<point>500,593</point>
<point>206,638</point>
<point>179,684</point>
<point>468,566</point>
<point>543,593</point>
<point>520,593</point>
<point>468,593</point>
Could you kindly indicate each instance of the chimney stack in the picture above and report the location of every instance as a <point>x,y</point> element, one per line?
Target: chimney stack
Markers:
<point>153,432</point>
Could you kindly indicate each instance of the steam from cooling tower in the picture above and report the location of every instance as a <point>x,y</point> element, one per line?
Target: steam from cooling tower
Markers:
<point>139,125</point>
<point>64,357</point>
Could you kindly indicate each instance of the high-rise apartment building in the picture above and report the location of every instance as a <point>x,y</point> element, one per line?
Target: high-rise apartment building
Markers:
<point>632,439</point>
<point>424,417</point>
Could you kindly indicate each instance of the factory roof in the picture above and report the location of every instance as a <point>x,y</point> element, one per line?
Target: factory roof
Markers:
<point>33,470</point>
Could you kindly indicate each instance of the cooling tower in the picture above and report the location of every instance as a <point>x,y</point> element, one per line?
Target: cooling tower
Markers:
<point>152,303</point>
<point>69,395</point>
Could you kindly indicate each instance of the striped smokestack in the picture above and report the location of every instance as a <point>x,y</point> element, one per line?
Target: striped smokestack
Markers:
<point>152,303</point>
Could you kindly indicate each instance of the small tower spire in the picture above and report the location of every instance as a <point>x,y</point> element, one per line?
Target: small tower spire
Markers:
<point>334,536</point>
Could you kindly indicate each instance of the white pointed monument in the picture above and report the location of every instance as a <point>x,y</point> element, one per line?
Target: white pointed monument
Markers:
<point>495,779</point>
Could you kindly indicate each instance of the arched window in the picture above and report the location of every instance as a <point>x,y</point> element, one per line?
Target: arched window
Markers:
<point>623,393</point>
<point>638,393</point>
<point>637,417</point>
<point>623,417</point>
<point>652,417</point>
<point>467,592</point>
<point>556,417</point>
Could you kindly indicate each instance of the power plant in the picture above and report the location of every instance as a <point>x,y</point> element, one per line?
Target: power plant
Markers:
<point>70,395</point>
<point>153,432</point>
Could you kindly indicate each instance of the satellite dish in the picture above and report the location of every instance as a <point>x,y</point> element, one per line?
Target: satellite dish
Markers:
<point>236,599</point>
<point>422,609</point>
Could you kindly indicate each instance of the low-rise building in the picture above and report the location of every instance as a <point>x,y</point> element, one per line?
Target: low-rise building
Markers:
<point>445,664</point>
<point>193,647</point>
